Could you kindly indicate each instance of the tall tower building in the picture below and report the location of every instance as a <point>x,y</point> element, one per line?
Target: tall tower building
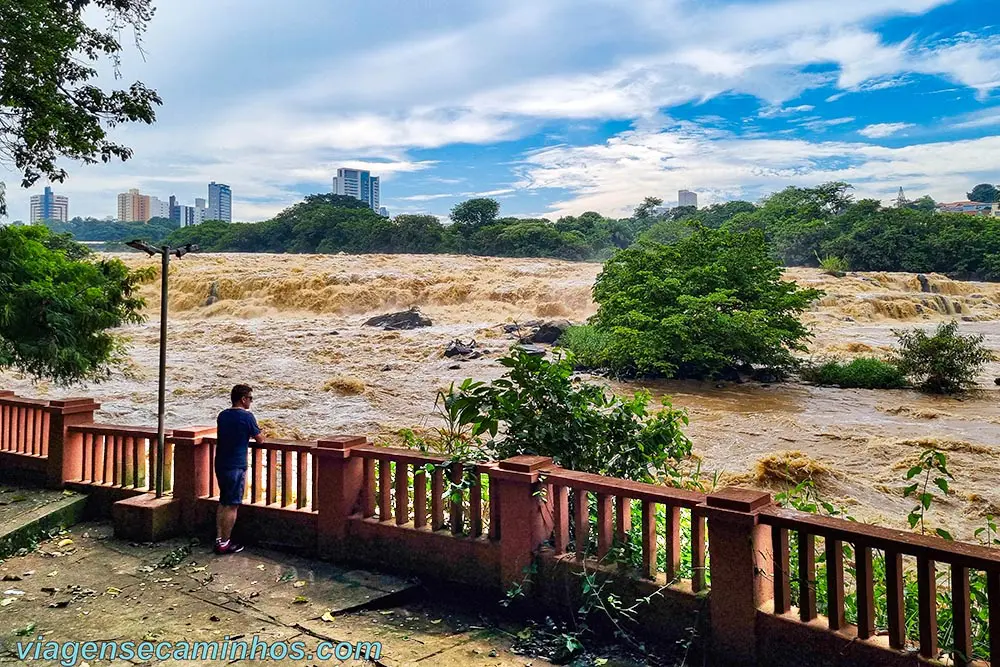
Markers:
<point>220,202</point>
<point>358,184</point>
<point>49,206</point>
<point>133,206</point>
<point>687,198</point>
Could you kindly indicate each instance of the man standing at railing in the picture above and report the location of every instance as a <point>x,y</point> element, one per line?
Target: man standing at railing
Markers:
<point>235,427</point>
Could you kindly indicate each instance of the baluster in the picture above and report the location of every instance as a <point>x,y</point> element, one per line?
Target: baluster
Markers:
<point>604,528</point>
<point>402,493</point>
<point>476,506</point>
<point>22,428</point>
<point>84,450</point>
<point>116,458</point>
<point>369,487</point>
<point>36,432</point>
<point>672,542</point>
<point>46,425</point>
<point>419,496</point>
<point>894,599</point>
<point>927,605</point>
<point>137,444</point>
<point>961,615</point>
<point>560,518</point>
<point>106,476</point>
<point>835,583</point>
<point>807,577</point>
<point>456,517</point>
<point>287,477</point>
<point>993,597</point>
<point>437,498</point>
<point>649,539</point>
<point>301,468</point>
<point>581,522</point>
<point>494,510</point>
<point>4,427</point>
<point>698,533</point>
<point>126,455</point>
<point>255,477</point>
<point>272,476</point>
<point>96,458</point>
<point>384,490</point>
<point>866,591</point>
<point>782,573</point>
<point>623,519</point>
<point>211,468</point>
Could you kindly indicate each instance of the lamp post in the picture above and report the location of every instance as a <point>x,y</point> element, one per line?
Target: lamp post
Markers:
<point>164,252</point>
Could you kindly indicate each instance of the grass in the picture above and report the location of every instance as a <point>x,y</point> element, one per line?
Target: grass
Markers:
<point>588,345</point>
<point>860,373</point>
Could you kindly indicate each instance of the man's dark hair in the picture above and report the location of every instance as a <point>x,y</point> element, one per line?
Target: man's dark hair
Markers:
<point>239,391</point>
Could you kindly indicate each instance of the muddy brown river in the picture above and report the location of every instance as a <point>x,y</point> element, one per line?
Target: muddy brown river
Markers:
<point>290,325</point>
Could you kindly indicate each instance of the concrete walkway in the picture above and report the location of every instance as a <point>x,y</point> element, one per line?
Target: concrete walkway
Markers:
<point>28,514</point>
<point>84,585</point>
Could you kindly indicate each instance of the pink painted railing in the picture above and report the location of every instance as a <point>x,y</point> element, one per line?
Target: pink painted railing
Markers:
<point>616,500</point>
<point>24,426</point>
<point>121,457</point>
<point>398,487</point>
<point>280,473</point>
<point>926,551</point>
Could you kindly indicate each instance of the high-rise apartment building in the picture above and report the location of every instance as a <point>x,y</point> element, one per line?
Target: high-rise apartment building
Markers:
<point>133,206</point>
<point>49,206</point>
<point>159,209</point>
<point>358,184</point>
<point>687,198</point>
<point>220,202</point>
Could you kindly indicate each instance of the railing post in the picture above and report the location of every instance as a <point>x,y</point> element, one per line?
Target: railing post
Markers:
<point>192,469</point>
<point>525,517</point>
<point>741,559</point>
<point>338,484</point>
<point>65,454</point>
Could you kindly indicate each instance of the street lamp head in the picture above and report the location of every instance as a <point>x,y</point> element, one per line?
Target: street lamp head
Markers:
<point>142,245</point>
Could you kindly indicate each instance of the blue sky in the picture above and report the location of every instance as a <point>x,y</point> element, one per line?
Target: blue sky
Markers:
<point>557,106</point>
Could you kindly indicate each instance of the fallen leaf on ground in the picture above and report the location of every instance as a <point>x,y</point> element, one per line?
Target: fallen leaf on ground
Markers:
<point>64,543</point>
<point>113,592</point>
<point>299,584</point>
<point>7,601</point>
<point>300,599</point>
<point>52,573</point>
<point>260,567</point>
<point>199,569</point>
<point>436,621</point>
<point>327,617</point>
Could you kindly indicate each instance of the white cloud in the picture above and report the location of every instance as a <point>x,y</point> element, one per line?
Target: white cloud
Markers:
<point>882,130</point>
<point>613,176</point>
<point>820,124</point>
<point>771,112</point>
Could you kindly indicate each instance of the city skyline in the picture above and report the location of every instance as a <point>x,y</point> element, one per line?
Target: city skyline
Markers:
<point>484,99</point>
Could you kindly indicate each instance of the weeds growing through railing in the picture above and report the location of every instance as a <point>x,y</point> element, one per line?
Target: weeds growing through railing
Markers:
<point>806,498</point>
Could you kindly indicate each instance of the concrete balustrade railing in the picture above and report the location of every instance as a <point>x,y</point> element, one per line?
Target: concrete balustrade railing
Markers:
<point>720,562</point>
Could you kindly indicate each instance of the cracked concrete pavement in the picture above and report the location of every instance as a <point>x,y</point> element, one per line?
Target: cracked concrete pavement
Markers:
<point>85,585</point>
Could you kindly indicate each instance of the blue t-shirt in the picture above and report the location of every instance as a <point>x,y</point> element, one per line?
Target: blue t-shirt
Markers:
<point>235,428</point>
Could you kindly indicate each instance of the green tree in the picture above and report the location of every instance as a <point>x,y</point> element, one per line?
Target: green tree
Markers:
<point>709,303</point>
<point>984,192</point>
<point>57,306</point>
<point>475,213</point>
<point>647,208</point>
<point>925,204</point>
<point>49,105</point>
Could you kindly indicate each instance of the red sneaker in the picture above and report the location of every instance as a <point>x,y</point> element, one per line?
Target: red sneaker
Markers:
<point>229,547</point>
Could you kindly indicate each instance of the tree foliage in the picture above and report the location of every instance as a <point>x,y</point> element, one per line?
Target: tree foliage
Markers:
<point>944,363</point>
<point>984,192</point>
<point>49,105</point>
<point>710,303</point>
<point>57,305</point>
<point>536,408</point>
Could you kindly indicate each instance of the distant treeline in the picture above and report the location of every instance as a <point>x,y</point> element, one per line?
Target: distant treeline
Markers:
<point>801,225</point>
